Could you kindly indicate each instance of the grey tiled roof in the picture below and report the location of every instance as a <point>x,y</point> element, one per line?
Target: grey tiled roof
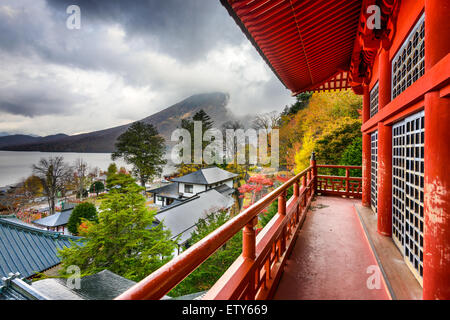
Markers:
<point>55,220</point>
<point>168,191</point>
<point>181,219</point>
<point>28,250</point>
<point>104,285</point>
<point>206,176</point>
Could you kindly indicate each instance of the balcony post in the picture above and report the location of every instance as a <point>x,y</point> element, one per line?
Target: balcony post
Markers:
<point>366,167</point>
<point>347,181</point>
<point>282,203</point>
<point>313,172</point>
<point>249,240</point>
<point>296,189</point>
<point>304,188</point>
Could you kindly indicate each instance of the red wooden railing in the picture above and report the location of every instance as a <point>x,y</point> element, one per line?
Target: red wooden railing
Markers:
<point>255,274</point>
<point>343,186</point>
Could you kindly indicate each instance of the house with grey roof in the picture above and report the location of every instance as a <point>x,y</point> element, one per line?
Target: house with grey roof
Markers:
<point>104,285</point>
<point>182,219</point>
<point>191,184</point>
<point>28,250</point>
<point>58,221</point>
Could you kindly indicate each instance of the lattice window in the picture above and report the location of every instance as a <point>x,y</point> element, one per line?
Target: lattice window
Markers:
<point>408,189</point>
<point>398,184</point>
<point>374,100</point>
<point>374,171</point>
<point>408,64</point>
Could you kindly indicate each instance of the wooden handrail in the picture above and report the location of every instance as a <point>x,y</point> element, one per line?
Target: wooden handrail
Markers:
<point>255,273</point>
<point>160,282</point>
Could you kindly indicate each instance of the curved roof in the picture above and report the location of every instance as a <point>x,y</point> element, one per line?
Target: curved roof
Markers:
<point>28,250</point>
<point>307,43</point>
<point>55,220</point>
<point>206,176</point>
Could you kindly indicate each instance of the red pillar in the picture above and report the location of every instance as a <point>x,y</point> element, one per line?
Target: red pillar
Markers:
<point>366,163</point>
<point>437,28</point>
<point>436,258</point>
<point>384,199</point>
<point>366,104</point>
<point>366,151</point>
<point>384,177</point>
<point>384,83</point>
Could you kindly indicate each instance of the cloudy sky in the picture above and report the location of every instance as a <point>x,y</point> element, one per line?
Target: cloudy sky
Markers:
<point>128,60</point>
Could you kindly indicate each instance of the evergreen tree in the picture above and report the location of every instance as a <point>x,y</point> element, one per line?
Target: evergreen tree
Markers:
<point>125,239</point>
<point>143,147</point>
<point>85,211</point>
<point>97,187</point>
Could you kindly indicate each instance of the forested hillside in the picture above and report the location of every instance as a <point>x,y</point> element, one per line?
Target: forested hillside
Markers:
<point>328,123</point>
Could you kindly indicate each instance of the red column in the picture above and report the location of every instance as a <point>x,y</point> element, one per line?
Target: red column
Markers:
<point>366,104</point>
<point>384,178</point>
<point>384,199</point>
<point>384,83</point>
<point>436,258</point>
<point>366,162</point>
<point>437,28</point>
<point>366,151</point>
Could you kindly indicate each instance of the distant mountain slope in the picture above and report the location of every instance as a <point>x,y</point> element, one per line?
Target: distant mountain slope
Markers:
<point>167,120</point>
<point>20,139</point>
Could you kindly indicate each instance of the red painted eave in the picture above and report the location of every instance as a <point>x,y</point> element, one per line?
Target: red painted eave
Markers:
<point>307,43</point>
<point>316,45</point>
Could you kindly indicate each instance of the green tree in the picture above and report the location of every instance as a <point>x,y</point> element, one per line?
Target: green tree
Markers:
<point>119,181</point>
<point>188,124</point>
<point>212,269</point>
<point>143,147</point>
<point>352,156</point>
<point>125,239</point>
<point>84,210</point>
<point>97,187</point>
<point>112,169</point>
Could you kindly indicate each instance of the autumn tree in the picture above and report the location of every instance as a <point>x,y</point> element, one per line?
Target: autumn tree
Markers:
<point>255,188</point>
<point>53,173</point>
<point>125,240</point>
<point>143,148</point>
<point>266,121</point>
<point>81,177</point>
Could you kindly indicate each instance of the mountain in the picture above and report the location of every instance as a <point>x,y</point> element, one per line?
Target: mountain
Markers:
<point>167,120</point>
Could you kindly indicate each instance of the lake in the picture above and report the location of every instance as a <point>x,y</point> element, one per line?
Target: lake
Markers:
<point>16,165</point>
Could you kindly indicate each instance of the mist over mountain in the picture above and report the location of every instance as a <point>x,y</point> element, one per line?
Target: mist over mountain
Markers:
<point>167,120</point>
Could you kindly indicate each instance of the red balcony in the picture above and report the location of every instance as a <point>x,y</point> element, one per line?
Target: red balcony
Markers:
<point>316,247</point>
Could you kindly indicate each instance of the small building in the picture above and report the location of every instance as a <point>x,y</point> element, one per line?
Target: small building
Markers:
<point>182,218</point>
<point>192,184</point>
<point>57,222</point>
<point>104,285</point>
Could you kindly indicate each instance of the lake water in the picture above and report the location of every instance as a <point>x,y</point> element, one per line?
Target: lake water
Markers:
<point>15,165</point>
